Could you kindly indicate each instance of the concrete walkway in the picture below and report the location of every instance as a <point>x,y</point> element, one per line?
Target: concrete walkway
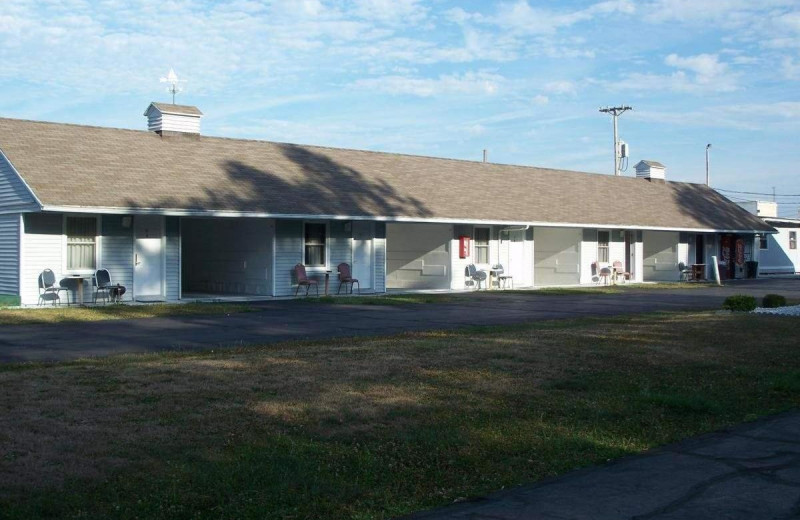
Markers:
<point>293,320</point>
<point>750,472</point>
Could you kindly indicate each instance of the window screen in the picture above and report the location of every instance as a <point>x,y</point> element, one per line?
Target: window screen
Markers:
<point>481,243</point>
<point>315,244</point>
<point>81,243</point>
<point>602,246</point>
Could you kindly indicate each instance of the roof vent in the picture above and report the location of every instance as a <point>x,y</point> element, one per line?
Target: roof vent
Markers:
<point>651,170</point>
<point>166,119</point>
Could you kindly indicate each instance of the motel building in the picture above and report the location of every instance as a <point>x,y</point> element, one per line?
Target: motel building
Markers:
<point>778,253</point>
<point>175,215</point>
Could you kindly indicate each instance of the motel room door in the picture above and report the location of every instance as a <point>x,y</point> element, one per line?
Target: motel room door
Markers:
<point>518,263</point>
<point>148,258</point>
<point>362,253</point>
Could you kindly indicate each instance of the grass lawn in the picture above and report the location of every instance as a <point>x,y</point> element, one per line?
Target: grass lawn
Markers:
<point>376,427</point>
<point>61,314</point>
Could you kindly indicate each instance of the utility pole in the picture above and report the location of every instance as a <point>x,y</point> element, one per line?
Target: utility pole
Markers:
<point>708,176</point>
<point>615,113</point>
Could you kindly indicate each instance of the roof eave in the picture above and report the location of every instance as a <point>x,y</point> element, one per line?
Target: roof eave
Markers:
<point>179,212</point>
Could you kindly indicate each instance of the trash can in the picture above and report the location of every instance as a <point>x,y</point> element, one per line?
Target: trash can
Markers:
<point>751,269</point>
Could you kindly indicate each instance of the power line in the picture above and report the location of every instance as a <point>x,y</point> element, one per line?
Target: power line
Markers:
<point>758,193</point>
<point>618,148</point>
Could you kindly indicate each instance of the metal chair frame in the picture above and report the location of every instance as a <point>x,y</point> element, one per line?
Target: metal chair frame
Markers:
<point>475,275</point>
<point>303,279</point>
<point>47,285</point>
<point>102,285</point>
<point>502,277</point>
<point>685,272</point>
<point>346,277</point>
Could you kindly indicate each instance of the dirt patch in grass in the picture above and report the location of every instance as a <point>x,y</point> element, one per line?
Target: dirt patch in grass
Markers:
<point>376,427</point>
<point>35,316</point>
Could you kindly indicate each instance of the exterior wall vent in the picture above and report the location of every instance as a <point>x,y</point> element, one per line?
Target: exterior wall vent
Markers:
<point>651,170</point>
<point>167,119</point>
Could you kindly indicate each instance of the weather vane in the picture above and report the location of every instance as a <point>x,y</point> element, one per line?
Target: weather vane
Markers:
<point>174,83</point>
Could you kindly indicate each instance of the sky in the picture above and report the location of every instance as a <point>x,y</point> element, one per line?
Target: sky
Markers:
<point>522,79</point>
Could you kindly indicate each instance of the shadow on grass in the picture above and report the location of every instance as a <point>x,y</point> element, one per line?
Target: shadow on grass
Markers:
<point>376,427</point>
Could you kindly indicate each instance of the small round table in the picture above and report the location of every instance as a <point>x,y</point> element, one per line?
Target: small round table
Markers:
<point>79,278</point>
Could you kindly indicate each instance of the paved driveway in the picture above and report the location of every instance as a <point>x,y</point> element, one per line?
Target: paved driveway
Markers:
<point>751,472</point>
<point>291,320</point>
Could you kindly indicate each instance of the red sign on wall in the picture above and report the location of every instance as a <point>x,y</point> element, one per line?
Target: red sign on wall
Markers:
<point>739,252</point>
<point>463,246</point>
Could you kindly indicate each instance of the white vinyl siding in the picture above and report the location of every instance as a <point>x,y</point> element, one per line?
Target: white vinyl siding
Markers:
<point>42,248</point>
<point>9,254</point>
<point>172,259</point>
<point>380,257</point>
<point>288,253</point>
<point>158,121</point>
<point>14,195</point>
<point>117,251</point>
<point>339,246</point>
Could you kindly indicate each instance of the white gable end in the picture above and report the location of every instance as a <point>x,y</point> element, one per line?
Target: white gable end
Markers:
<point>15,195</point>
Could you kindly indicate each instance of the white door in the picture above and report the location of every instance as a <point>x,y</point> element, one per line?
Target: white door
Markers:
<point>517,266</point>
<point>148,261</point>
<point>362,253</point>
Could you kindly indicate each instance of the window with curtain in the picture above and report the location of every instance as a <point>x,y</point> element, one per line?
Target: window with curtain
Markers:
<point>315,234</point>
<point>602,245</point>
<point>81,243</point>
<point>792,239</point>
<point>481,245</point>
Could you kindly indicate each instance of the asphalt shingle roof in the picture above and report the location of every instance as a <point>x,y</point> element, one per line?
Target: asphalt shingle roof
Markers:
<point>71,165</point>
<point>168,108</point>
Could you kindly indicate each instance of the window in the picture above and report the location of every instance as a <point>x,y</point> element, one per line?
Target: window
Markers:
<point>792,239</point>
<point>602,245</point>
<point>762,242</point>
<point>81,243</point>
<point>314,250</point>
<point>481,243</point>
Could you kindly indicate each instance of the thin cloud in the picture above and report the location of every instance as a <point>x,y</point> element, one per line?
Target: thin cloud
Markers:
<point>471,83</point>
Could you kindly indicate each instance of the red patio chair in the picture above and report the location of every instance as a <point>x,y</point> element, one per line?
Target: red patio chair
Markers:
<point>346,277</point>
<point>303,279</point>
<point>620,271</point>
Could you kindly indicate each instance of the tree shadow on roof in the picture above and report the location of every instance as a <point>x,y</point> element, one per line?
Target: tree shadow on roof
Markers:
<point>309,183</point>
